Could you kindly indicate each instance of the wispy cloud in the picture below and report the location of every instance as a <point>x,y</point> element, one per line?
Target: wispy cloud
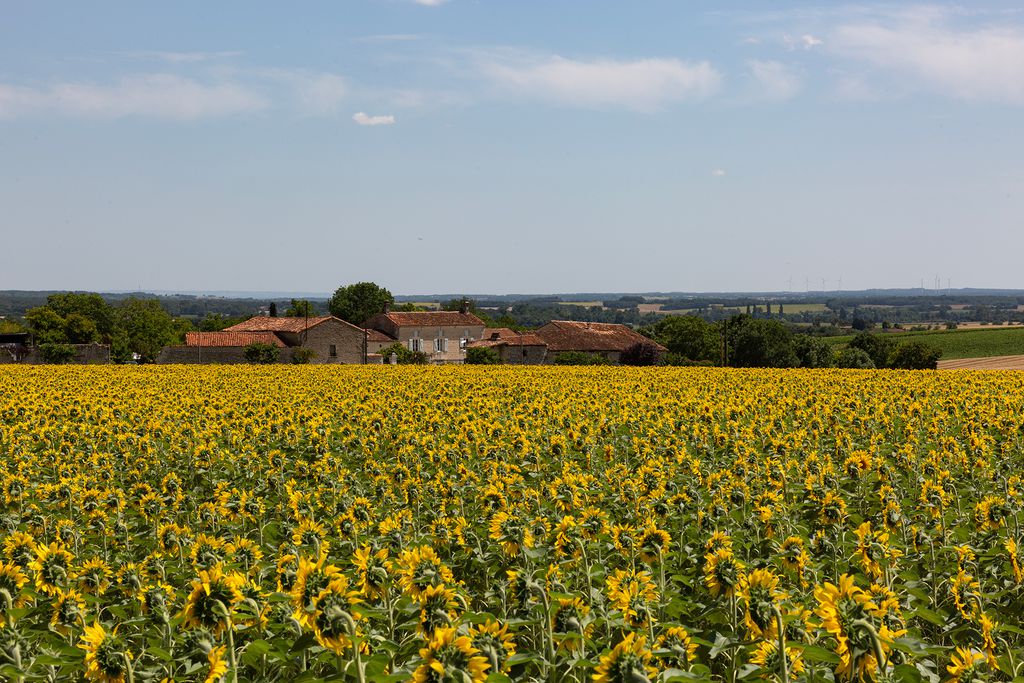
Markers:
<point>641,84</point>
<point>430,3</point>
<point>390,38</point>
<point>364,119</point>
<point>925,49</point>
<point>805,42</point>
<point>182,57</point>
<point>774,80</point>
<point>718,172</point>
<point>313,93</point>
<point>161,96</point>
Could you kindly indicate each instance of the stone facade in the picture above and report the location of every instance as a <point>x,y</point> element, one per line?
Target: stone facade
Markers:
<point>442,335</point>
<point>85,354</point>
<point>332,341</point>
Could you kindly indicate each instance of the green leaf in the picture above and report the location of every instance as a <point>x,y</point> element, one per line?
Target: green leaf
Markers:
<point>906,673</point>
<point>816,653</point>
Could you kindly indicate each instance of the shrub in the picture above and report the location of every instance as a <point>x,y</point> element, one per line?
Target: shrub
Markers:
<point>57,354</point>
<point>854,358</point>
<point>878,347</point>
<point>479,355</point>
<point>405,356</point>
<point>580,358</point>
<point>262,353</point>
<point>641,353</point>
<point>302,356</point>
<point>915,356</point>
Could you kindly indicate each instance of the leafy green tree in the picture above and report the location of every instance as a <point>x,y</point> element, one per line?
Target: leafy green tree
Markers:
<point>215,322</point>
<point>48,326</point>
<point>640,353</point>
<point>300,308</point>
<point>813,352</point>
<point>756,343</point>
<point>260,353</point>
<point>854,358</point>
<point>88,305</point>
<point>273,309</point>
<point>879,347</point>
<point>146,326</point>
<point>403,355</point>
<point>57,354</point>
<point>687,336</point>
<point>479,355</point>
<point>359,302</point>
<point>80,330</point>
<point>915,356</point>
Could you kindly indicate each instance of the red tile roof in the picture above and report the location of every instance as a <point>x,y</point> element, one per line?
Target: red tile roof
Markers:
<point>378,336</point>
<point>434,319</point>
<point>516,339</point>
<point>498,332</point>
<point>263,323</point>
<point>567,335</point>
<point>226,338</point>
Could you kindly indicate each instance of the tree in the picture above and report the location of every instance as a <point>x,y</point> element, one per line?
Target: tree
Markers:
<point>300,308</point>
<point>146,326</point>
<point>687,336</point>
<point>48,327</point>
<point>640,353</point>
<point>80,330</point>
<point>359,302</point>
<point>879,347</point>
<point>404,355</point>
<point>57,354</point>
<point>89,305</point>
<point>480,355</point>
<point>273,309</point>
<point>261,353</point>
<point>580,358</point>
<point>854,358</point>
<point>755,343</point>
<point>915,356</point>
<point>813,352</point>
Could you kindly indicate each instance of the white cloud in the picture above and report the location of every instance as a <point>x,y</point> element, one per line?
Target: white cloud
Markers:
<point>642,84</point>
<point>430,3</point>
<point>162,96</point>
<point>718,172</point>
<point>183,57</point>
<point>976,64</point>
<point>313,93</point>
<point>775,80</point>
<point>364,119</point>
<point>806,41</point>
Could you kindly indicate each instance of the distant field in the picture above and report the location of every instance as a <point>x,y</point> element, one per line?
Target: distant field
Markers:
<point>800,308</point>
<point>584,304</point>
<point>990,363</point>
<point>973,343</point>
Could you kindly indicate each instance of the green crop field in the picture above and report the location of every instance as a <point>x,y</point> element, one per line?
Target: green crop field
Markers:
<point>961,343</point>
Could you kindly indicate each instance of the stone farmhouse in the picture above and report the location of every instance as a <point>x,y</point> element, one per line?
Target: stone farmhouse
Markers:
<point>603,339</point>
<point>442,335</point>
<point>330,339</point>
<point>513,348</point>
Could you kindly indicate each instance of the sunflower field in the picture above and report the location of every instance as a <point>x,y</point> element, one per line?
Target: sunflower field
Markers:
<point>470,524</point>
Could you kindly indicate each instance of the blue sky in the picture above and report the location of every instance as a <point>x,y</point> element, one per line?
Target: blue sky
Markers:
<point>522,146</point>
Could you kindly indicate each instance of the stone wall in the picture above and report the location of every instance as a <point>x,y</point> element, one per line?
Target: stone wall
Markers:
<point>85,354</point>
<point>512,354</point>
<point>212,355</point>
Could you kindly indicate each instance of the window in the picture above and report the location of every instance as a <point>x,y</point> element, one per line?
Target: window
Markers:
<point>415,344</point>
<point>462,344</point>
<point>440,345</point>
<point>333,353</point>
<point>524,352</point>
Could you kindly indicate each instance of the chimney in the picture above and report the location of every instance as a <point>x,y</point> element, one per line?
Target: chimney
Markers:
<point>464,307</point>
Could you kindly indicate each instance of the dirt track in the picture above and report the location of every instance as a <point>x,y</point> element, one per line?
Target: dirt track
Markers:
<point>990,363</point>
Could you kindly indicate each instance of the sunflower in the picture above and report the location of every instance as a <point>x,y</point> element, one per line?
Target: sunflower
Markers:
<point>839,607</point>
<point>52,566</point>
<point>310,579</point>
<point>217,663</point>
<point>419,568</point>
<point>155,600</point>
<point>760,594</point>
<point>628,661</point>
<point>12,579</point>
<point>1011,549</point>
<point>450,657</point>
<point>68,611</point>
<point>508,530</point>
<point>675,647</point>
<point>872,547</point>
<point>335,614</point>
<point>106,657</point>
<point>987,627</point>
<point>723,573</point>
<point>20,549</point>
<point>653,543</point>
<point>569,617</point>
<point>373,570</point>
<point>632,593</point>
<point>624,538</point>
<point>966,665</point>
<point>207,551</point>
<point>213,592</point>
<point>719,540</point>
<point>311,534</point>
<point>766,656</point>
<point>244,552</point>
<point>966,592</point>
<point>93,576</point>
<point>568,536</point>
<point>438,606</point>
<point>495,642</point>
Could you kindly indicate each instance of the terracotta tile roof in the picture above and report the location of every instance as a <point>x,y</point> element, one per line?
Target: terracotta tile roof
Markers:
<point>263,323</point>
<point>434,319</point>
<point>498,332</point>
<point>226,338</point>
<point>378,336</point>
<point>515,339</point>
<point>567,335</point>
